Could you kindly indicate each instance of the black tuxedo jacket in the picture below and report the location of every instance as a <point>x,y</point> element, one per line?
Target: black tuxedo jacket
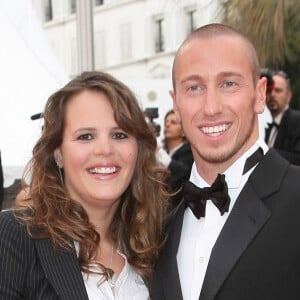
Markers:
<point>257,254</point>
<point>287,141</point>
<point>32,269</point>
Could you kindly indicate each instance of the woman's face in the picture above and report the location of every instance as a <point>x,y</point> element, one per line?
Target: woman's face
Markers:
<point>173,129</point>
<point>97,156</point>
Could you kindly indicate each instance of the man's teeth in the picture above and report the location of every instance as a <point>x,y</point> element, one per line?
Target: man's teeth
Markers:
<point>106,170</point>
<point>215,130</point>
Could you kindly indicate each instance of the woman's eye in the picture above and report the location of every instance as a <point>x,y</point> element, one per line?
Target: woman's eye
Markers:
<point>85,137</point>
<point>119,135</point>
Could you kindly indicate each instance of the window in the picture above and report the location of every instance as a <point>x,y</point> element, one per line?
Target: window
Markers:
<point>99,2</point>
<point>73,57</point>
<point>191,20</point>
<point>125,41</point>
<point>100,46</point>
<point>159,35</point>
<point>48,10</point>
<point>73,6</point>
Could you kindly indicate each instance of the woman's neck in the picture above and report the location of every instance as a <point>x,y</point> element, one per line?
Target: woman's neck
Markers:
<point>173,143</point>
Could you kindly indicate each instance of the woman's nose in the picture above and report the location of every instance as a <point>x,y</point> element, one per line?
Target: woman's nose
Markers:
<point>104,146</point>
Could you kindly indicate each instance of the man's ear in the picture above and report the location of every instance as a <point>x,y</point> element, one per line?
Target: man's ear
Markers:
<point>175,108</point>
<point>290,94</point>
<point>58,157</point>
<point>260,100</point>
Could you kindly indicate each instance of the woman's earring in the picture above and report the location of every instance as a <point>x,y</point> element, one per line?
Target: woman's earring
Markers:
<point>59,167</point>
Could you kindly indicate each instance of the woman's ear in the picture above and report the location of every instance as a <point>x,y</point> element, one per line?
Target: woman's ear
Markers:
<point>58,158</point>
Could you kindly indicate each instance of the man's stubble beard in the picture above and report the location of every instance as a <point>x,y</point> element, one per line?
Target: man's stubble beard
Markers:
<point>218,158</point>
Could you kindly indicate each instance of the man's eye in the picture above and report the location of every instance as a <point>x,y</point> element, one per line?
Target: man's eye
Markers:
<point>194,88</point>
<point>119,136</point>
<point>229,84</point>
<point>85,137</point>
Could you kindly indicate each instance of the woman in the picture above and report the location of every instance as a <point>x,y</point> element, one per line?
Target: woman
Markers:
<point>94,222</point>
<point>176,155</point>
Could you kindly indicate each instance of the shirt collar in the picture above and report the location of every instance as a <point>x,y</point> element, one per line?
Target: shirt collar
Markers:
<point>234,173</point>
<point>278,118</point>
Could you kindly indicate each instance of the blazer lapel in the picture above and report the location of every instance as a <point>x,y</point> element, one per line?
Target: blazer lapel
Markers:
<point>62,270</point>
<point>168,260</point>
<point>247,217</point>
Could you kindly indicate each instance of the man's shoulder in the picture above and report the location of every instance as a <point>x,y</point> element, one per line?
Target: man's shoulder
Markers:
<point>291,121</point>
<point>293,114</point>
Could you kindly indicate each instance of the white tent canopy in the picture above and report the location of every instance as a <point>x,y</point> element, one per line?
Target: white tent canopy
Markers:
<point>29,74</point>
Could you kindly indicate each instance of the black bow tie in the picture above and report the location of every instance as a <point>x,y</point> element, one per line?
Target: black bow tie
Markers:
<point>273,124</point>
<point>268,130</point>
<point>196,197</point>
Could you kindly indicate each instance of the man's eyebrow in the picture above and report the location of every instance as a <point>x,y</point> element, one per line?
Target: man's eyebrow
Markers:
<point>193,77</point>
<point>221,74</point>
<point>230,73</point>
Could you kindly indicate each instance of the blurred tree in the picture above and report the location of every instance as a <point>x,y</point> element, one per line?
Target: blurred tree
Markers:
<point>274,28</point>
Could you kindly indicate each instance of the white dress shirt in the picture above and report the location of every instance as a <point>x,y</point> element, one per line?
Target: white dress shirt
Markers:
<point>198,236</point>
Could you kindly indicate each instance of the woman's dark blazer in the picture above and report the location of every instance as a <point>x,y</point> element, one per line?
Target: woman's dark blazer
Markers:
<point>32,269</point>
<point>180,170</point>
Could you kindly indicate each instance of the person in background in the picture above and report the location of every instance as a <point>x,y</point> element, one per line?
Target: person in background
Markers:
<point>283,134</point>
<point>94,224</point>
<point>264,72</point>
<point>176,155</point>
<point>22,197</point>
<point>235,234</point>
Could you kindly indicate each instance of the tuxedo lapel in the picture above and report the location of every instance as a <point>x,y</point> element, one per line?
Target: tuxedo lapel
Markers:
<point>247,217</point>
<point>62,270</point>
<point>168,261</point>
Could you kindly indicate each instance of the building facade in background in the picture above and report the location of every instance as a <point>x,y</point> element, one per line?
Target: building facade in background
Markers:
<point>132,38</point>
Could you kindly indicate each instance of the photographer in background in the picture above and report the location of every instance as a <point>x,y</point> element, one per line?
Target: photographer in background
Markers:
<point>176,154</point>
<point>151,113</point>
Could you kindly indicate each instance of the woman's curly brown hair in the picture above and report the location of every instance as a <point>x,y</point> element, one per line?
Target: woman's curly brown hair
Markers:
<point>137,225</point>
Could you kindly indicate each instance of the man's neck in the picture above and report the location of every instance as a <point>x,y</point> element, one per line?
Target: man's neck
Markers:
<point>275,114</point>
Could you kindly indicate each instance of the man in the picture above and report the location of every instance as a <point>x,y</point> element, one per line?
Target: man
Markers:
<point>284,132</point>
<point>250,248</point>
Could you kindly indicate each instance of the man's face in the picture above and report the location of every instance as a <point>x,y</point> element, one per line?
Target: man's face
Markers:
<point>280,96</point>
<point>216,99</point>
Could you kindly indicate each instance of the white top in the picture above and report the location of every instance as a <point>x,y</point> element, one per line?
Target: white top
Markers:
<point>164,157</point>
<point>129,285</point>
<point>198,236</point>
